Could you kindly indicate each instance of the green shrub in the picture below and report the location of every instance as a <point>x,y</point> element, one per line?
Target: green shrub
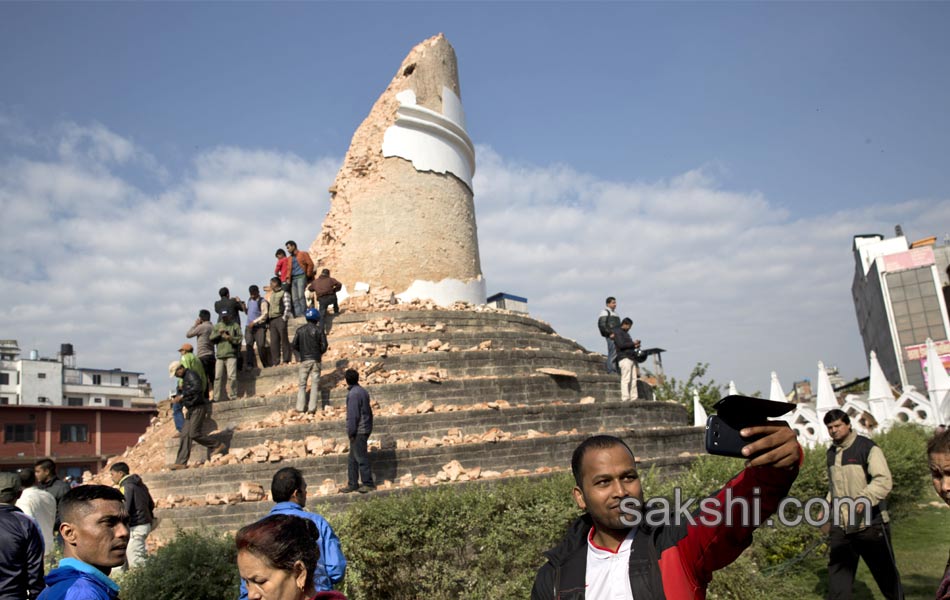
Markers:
<point>486,540</point>
<point>905,447</point>
<point>195,565</point>
<point>483,541</point>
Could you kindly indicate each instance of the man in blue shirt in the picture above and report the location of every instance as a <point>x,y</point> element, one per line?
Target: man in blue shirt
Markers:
<point>95,531</point>
<point>289,491</point>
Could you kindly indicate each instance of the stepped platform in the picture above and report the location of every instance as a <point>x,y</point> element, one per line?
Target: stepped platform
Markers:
<point>449,387</point>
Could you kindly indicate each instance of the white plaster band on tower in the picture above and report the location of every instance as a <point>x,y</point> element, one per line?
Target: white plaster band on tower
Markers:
<point>447,291</point>
<point>432,141</point>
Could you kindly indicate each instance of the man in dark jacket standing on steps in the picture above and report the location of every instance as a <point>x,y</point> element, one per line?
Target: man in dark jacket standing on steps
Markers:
<point>628,354</point>
<point>193,399</point>
<point>607,322</point>
<point>310,342</point>
<point>359,426</point>
<point>139,505</point>
<point>607,554</point>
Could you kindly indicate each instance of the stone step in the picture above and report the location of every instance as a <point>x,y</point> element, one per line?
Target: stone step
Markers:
<point>544,418</point>
<point>451,320</point>
<point>528,389</point>
<point>391,464</point>
<point>231,517</point>
<point>452,365</point>
<point>500,340</point>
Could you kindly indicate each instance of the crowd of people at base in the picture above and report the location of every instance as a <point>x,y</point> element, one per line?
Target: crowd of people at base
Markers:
<point>624,353</point>
<point>294,554</point>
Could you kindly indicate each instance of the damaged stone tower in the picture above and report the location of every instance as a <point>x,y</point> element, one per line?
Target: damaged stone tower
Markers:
<point>402,215</point>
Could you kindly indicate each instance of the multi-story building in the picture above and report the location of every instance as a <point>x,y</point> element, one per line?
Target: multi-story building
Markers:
<point>77,416</point>
<point>59,382</point>
<point>78,439</point>
<point>898,292</point>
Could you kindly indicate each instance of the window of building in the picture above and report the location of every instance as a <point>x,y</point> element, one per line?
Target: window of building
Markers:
<point>19,433</point>
<point>4,400</point>
<point>43,400</point>
<point>73,433</point>
<point>97,379</point>
<point>73,401</point>
<point>41,375</point>
<point>125,381</point>
<point>116,403</point>
<point>4,379</point>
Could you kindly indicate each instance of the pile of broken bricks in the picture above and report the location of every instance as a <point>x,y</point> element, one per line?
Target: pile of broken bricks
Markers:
<point>451,472</point>
<point>274,451</point>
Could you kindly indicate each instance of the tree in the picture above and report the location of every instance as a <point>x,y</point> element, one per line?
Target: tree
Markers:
<point>674,390</point>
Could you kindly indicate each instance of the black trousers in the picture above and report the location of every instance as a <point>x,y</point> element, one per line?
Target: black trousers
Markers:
<point>255,336</point>
<point>327,301</point>
<point>209,362</point>
<point>873,544</point>
<point>358,464</point>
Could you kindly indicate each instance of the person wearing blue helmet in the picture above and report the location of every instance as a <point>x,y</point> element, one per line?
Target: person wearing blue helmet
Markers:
<point>310,342</point>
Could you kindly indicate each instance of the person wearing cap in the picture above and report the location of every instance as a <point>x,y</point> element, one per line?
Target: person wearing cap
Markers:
<point>190,361</point>
<point>310,342</point>
<point>38,504</point>
<point>201,330</point>
<point>227,336</point>
<point>21,550</point>
<point>195,401</point>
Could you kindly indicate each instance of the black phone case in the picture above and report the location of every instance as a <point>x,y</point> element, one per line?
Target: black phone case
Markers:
<point>723,439</point>
<point>735,413</point>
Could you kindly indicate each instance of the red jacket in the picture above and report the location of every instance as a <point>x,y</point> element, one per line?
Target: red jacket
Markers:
<point>681,557</point>
<point>282,269</point>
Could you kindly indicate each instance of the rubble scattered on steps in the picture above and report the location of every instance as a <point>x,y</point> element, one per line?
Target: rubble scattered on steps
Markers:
<point>148,455</point>
<point>281,418</point>
<point>275,451</point>
<point>451,472</point>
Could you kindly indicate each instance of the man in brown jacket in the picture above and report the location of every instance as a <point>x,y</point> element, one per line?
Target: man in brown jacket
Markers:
<point>325,288</point>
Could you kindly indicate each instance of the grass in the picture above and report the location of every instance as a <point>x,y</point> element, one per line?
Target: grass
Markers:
<point>921,543</point>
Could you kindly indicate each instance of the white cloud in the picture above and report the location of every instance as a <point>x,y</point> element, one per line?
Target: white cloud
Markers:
<point>92,258</point>
<point>95,257</point>
<point>711,275</point>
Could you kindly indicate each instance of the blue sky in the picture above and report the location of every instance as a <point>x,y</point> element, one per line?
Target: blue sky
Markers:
<point>706,163</point>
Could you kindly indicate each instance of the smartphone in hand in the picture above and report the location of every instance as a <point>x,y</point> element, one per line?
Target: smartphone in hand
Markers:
<point>734,413</point>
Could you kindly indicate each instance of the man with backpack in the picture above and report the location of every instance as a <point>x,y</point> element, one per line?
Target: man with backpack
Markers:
<point>310,342</point>
<point>607,322</point>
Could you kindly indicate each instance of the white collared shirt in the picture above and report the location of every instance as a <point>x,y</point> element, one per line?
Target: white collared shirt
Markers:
<point>608,572</point>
